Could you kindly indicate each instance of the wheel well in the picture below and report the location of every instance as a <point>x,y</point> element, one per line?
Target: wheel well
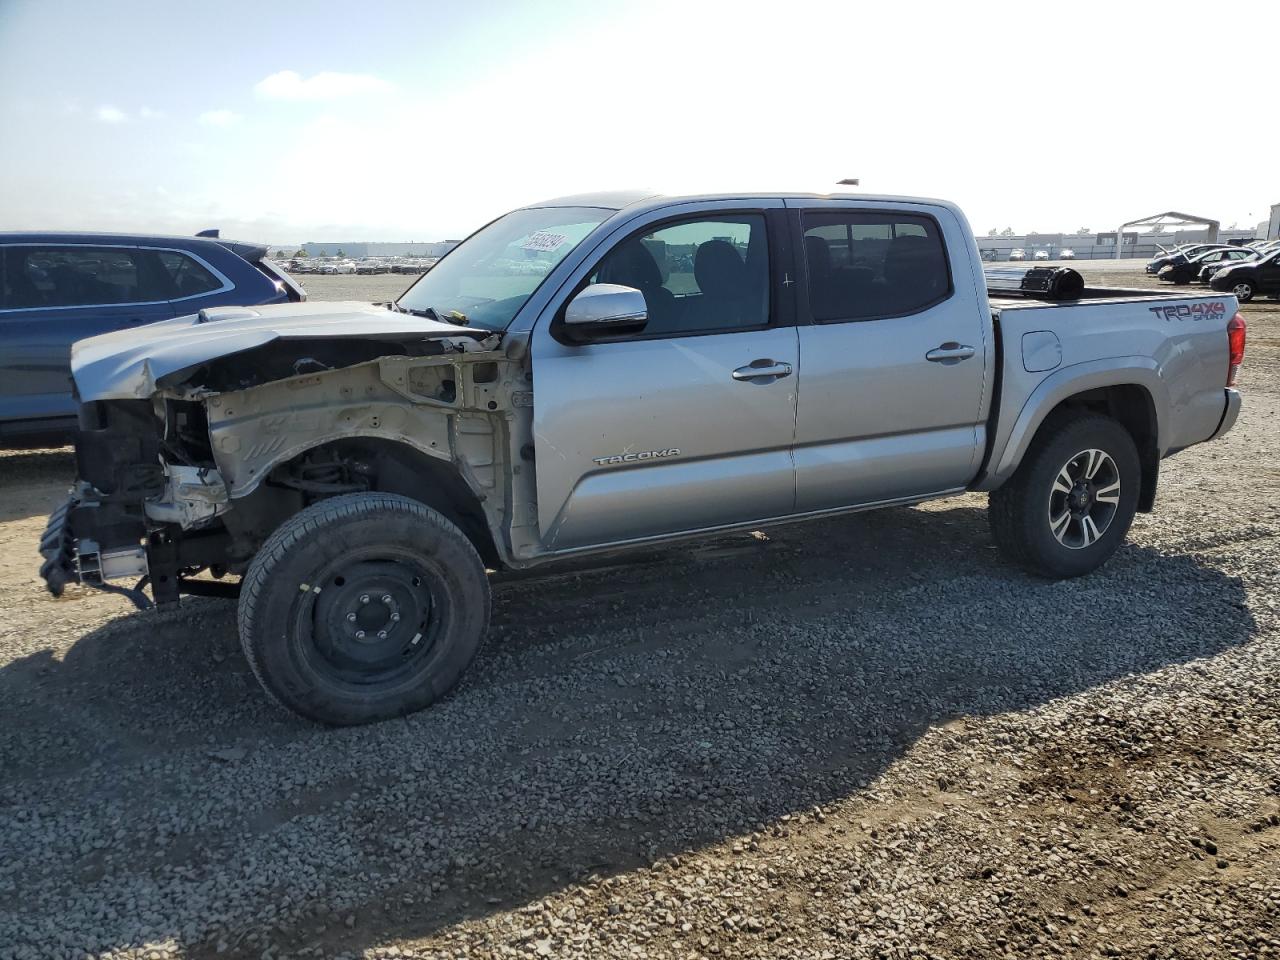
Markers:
<point>1132,406</point>
<point>389,467</point>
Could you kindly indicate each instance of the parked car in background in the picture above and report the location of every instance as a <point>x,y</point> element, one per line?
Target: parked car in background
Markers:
<point>1182,254</point>
<point>1017,253</point>
<point>1249,278</point>
<point>1066,254</point>
<point>57,288</point>
<point>1185,271</point>
<point>1041,255</point>
<point>1257,250</point>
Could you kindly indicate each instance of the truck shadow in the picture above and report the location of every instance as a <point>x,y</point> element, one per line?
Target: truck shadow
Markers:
<point>616,716</point>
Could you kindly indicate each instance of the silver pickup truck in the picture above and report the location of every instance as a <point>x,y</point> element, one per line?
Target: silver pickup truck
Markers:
<point>598,372</point>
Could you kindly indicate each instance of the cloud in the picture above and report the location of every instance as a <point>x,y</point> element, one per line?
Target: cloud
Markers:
<point>326,85</point>
<point>219,118</point>
<point>146,113</point>
<point>109,114</point>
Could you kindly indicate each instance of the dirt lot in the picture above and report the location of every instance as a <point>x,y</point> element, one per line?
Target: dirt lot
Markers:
<point>865,737</point>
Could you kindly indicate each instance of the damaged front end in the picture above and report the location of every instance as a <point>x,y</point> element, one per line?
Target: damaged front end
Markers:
<point>195,452</point>
<point>127,497</point>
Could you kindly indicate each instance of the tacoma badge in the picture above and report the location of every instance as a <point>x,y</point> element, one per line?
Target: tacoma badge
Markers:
<point>633,457</point>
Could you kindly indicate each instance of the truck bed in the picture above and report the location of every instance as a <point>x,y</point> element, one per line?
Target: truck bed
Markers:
<point>1172,345</point>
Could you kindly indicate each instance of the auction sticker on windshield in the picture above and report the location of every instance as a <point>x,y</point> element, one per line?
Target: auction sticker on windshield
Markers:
<point>543,242</point>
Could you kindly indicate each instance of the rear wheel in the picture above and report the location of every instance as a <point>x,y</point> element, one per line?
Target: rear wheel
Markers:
<point>363,607</point>
<point>1243,289</point>
<point>1069,505</point>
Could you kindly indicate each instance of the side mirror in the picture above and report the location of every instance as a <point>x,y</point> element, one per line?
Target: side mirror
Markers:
<point>604,309</point>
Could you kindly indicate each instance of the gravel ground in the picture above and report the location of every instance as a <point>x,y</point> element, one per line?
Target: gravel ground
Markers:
<point>865,737</point>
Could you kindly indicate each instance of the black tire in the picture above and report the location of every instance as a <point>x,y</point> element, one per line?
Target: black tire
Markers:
<point>382,568</point>
<point>1243,290</point>
<point>1022,511</point>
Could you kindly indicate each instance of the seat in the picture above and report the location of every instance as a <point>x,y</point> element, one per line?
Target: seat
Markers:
<point>21,292</point>
<point>726,298</point>
<point>68,286</point>
<point>817,253</point>
<point>915,274</point>
<point>823,299</point>
<point>632,265</point>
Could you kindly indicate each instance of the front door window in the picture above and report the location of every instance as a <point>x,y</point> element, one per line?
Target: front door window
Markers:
<point>699,276</point>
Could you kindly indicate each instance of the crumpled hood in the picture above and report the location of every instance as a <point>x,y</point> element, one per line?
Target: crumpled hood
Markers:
<point>126,364</point>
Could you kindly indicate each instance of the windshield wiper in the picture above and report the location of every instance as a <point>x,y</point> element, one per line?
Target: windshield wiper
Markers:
<point>431,313</point>
<point>428,312</point>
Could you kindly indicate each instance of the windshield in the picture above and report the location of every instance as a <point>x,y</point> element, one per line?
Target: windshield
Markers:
<point>487,279</point>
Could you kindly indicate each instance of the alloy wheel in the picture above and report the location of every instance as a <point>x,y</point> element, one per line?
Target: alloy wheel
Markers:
<point>1085,499</point>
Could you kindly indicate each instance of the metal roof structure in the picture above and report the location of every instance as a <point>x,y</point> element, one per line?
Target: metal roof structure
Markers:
<point>1170,218</point>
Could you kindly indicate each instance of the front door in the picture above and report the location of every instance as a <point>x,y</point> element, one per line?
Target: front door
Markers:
<point>893,353</point>
<point>687,424</point>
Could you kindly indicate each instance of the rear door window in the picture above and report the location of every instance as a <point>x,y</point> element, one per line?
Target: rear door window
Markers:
<point>49,276</point>
<point>869,265</point>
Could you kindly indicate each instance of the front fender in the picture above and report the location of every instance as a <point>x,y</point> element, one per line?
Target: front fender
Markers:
<point>1011,442</point>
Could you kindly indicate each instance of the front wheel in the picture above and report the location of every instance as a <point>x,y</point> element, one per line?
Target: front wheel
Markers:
<point>1243,289</point>
<point>1069,505</point>
<point>363,607</point>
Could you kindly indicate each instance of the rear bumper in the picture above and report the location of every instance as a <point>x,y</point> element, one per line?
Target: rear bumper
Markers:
<point>1230,414</point>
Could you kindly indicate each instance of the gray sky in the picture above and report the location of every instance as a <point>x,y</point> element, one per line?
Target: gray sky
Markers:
<point>418,121</point>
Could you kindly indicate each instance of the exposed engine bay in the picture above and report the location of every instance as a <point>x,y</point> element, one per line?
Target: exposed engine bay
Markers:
<point>194,478</point>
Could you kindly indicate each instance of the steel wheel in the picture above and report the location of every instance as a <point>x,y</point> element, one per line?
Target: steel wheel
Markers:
<point>373,621</point>
<point>1084,499</point>
<point>363,607</point>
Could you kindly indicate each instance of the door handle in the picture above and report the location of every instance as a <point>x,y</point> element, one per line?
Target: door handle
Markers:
<point>950,352</point>
<point>763,370</point>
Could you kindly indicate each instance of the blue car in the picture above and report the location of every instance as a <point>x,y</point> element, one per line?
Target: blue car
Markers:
<point>57,288</point>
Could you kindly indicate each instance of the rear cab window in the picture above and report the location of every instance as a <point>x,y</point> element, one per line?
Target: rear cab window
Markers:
<point>866,265</point>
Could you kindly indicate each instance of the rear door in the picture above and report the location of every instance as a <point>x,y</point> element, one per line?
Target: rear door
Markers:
<point>688,424</point>
<point>893,347</point>
<point>54,295</point>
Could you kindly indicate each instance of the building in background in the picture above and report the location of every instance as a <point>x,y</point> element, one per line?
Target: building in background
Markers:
<point>1102,246</point>
<point>1273,226</point>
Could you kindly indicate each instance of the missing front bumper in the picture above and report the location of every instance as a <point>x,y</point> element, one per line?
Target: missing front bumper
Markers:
<point>72,555</point>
